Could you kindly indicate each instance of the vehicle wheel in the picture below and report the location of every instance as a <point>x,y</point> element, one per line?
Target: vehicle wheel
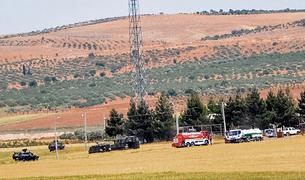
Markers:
<point>207,142</point>
<point>287,134</point>
<point>188,144</point>
<point>192,144</point>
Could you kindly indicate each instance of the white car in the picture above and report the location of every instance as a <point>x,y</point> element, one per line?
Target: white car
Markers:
<point>291,131</point>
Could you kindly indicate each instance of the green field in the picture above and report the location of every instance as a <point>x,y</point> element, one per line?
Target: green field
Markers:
<point>270,159</point>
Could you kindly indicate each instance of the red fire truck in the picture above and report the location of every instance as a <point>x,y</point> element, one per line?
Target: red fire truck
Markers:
<point>191,139</point>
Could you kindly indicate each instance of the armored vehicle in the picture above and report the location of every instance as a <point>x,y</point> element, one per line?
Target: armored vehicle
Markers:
<point>52,146</point>
<point>25,155</point>
<point>120,143</point>
<point>99,148</point>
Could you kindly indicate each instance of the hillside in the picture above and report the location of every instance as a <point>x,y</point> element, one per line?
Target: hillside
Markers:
<point>165,31</point>
<point>89,65</point>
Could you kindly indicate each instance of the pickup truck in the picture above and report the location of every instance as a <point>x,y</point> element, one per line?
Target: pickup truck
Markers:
<point>291,131</point>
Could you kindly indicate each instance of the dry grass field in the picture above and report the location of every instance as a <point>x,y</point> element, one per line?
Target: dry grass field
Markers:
<point>270,159</point>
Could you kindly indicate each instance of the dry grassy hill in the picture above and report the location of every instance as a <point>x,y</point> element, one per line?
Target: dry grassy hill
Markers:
<point>212,54</point>
<point>159,32</point>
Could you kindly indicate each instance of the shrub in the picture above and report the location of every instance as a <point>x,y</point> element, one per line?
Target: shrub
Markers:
<point>67,136</point>
<point>23,83</point>
<point>189,91</point>
<point>54,79</point>
<point>171,92</point>
<point>102,74</point>
<point>92,72</point>
<point>47,79</point>
<point>33,83</point>
<point>91,55</point>
<point>99,63</point>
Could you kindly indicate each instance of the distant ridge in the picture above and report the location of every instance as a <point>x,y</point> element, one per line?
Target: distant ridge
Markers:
<point>248,11</point>
<point>58,28</point>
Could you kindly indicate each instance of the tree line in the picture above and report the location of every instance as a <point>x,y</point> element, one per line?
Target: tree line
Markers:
<point>145,123</point>
<point>249,111</point>
<point>248,11</point>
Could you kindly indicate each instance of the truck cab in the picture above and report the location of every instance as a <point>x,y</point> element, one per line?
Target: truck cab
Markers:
<point>234,136</point>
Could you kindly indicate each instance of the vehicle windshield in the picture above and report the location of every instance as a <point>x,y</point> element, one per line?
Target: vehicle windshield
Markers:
<point>234,133</point>
<point>269,131</point>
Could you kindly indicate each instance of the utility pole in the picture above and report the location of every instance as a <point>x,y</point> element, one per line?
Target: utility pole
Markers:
<point>104,124</point>
<point>223,117</point>
<point>84,115</point>
<point>56,144</point>
<point>177,123</point>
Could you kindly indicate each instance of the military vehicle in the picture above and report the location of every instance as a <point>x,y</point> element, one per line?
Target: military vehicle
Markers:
<point>120,143</point>
<point>100,148</point>
<point>25,155</point>
<point>52,146</point>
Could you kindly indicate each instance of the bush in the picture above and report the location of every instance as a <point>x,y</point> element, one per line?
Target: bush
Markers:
<point>47,79</point>
<point>33,83</point>
<point>189,91</point>
<point>54,79</point>
<point>91,136</point>
<point>100,64</point>
<point>91,55</point>
<point>95,135</point>
<point>2,104</point>
<point>92,72</point>
<point>102,74</point>
<point>67,136</point>
<point>171,92</point>
<point>27,143</point>
<point>23,83</point>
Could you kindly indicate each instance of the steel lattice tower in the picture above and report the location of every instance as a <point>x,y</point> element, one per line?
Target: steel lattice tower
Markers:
<point>136,50</point>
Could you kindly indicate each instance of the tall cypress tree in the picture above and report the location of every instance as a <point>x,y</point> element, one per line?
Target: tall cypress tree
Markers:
<point>114,124</point>
<point>140,122</point>
<point>164,121</point>
<point>195,113</point>
<point>285,110</point>
<point>256,110</point>
<point>235,112</point>
<point>131,123</point>
<point>215,109</point>
<point>145,122</point>
<point>301,106</point>
<point>270,107</point>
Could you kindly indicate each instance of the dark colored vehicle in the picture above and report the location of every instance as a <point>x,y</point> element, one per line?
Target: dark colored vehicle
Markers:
<point>60,146</point>
<point>120,143</point>
<point>128,142</point>
<point>100,148</point>
<point>25,155</point>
